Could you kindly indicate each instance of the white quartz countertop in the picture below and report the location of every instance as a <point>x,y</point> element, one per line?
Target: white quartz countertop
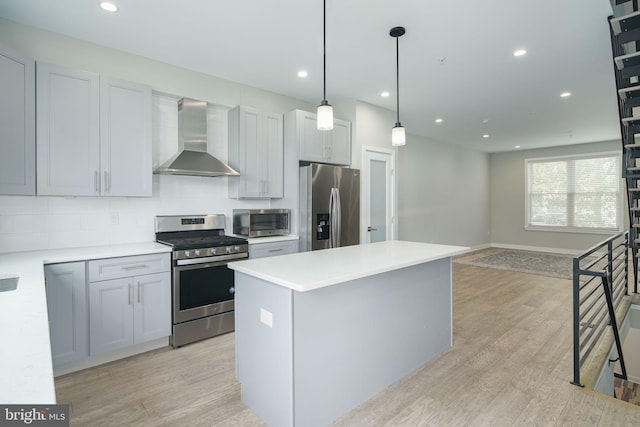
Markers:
<point>306,271</point>
<point>26,370</point>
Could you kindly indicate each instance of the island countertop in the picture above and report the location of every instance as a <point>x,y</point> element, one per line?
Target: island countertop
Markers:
<point>306,271</point>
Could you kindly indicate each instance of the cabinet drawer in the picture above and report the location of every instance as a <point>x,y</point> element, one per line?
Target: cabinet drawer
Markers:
<point>114,268</point>
<point>262,250</point>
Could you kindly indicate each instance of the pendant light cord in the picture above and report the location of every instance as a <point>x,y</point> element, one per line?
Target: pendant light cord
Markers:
<point>324,50</point>
<point>397,81</point>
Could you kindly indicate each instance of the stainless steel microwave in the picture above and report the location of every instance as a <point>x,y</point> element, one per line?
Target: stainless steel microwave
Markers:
<point>261,222</point>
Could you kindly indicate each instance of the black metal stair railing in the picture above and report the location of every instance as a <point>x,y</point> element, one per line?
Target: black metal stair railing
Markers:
<point>625,31</point>
<point>600,281</point>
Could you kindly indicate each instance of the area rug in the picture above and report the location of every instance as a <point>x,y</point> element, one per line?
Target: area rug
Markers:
<point>554,265</point>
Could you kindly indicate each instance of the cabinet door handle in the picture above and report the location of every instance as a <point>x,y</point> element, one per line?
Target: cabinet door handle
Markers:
<point>134,267</point>
<point>276,250</point>
<point>107,181</point>
<point>129,289</point>
<point>139,299</point>
<point>266,187</point>
<point>96,181</point>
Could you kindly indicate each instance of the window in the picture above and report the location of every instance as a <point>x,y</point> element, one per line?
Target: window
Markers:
<point>577,193</point>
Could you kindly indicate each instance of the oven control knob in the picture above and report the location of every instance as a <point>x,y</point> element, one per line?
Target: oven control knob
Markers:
<point>236,248</point>
<point>187,254</point>
<point>229,249</point>
<point>197,252</point>
<point>214,251</point>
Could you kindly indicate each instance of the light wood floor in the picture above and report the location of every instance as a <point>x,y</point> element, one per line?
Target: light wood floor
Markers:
<point>627,391</point>
<point>511,364</point>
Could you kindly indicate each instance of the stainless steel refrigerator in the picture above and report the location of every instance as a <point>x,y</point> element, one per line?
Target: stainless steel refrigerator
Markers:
<point>329,207</point>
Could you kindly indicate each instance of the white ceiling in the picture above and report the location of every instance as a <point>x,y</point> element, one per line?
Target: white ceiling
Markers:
<point>455,59</point>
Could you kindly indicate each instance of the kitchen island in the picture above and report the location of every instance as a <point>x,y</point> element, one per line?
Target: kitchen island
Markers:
<point>318,333</point>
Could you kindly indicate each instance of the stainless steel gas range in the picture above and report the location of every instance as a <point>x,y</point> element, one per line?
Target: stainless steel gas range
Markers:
<point>202,284</point>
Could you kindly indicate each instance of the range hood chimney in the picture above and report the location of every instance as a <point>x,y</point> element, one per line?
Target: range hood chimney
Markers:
<point>192,157</point>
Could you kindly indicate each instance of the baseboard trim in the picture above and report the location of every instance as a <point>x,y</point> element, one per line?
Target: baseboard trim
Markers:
<point>102,358</point>
<point>535,248</point>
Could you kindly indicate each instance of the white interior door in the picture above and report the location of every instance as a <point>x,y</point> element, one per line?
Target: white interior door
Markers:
<point>378,194</point>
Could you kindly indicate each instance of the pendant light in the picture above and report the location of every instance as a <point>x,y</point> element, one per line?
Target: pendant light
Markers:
<point>397,133</point>
<point>325,111</point>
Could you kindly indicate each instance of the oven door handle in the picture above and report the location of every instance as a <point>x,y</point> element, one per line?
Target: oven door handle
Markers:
<point>214,259</point>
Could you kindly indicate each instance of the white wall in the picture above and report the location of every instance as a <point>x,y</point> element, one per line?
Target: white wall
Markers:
<point>29,223</point>
<point>508,198</point>
<point>443,193</point>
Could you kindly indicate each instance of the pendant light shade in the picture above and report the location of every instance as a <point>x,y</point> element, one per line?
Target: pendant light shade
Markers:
<point>325,111</point>
<point>398,137</point>
<point>325,116</point>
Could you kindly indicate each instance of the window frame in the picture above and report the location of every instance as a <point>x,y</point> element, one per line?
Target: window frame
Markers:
<point>573,229</point>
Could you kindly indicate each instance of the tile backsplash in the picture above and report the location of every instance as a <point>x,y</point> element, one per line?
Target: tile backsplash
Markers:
<point>34,223</point>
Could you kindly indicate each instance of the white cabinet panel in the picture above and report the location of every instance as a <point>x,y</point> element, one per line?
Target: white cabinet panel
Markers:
<point>68,139</point>
<point>340,148</point>
<point>17,123</point>
<point>332,146</point>
<point>93,134</point>
<point>115,268</point>
<point>256,149</point>
<point>263,250</point>
<point>67,308</point>
<point>312,142</point>
<point>152,318</point>
<point>273,144</point>
<point>125,138</point>
<point>129,301</point>
<point>111,314</point>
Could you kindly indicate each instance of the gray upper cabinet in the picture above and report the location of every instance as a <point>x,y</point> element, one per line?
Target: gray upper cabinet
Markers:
<point>256,149</point>
<point>17,124</point>
<point>68,136</point>
<point>332,146</point>
<point>125,138</point>
<point>93,134</point>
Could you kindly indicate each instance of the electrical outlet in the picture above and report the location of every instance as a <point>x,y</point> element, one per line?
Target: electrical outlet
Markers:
<point>266,317</point>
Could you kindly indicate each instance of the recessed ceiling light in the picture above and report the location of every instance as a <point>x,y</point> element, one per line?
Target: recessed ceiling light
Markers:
<point>520,52</point>
<point>485,121</point>
<point>439,120</point>
<point>108,6</point>
<point>517,146</point>
<point>385,94</point>
<point>485,136</point>
<point>565,94</point>
<point>302,74</point>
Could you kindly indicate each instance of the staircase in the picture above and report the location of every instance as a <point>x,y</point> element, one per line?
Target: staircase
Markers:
<point>625,42</point>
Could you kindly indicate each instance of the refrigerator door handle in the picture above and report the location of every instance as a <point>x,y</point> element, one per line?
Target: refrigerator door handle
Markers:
<point>335,218</point>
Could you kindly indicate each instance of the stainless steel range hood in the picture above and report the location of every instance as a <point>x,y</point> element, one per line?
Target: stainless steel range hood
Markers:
<point>192,157</point>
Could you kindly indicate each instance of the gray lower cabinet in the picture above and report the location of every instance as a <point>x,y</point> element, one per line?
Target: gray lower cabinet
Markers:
<point>263,250</point>
<point>129,309</point>
<point>68,315</point>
